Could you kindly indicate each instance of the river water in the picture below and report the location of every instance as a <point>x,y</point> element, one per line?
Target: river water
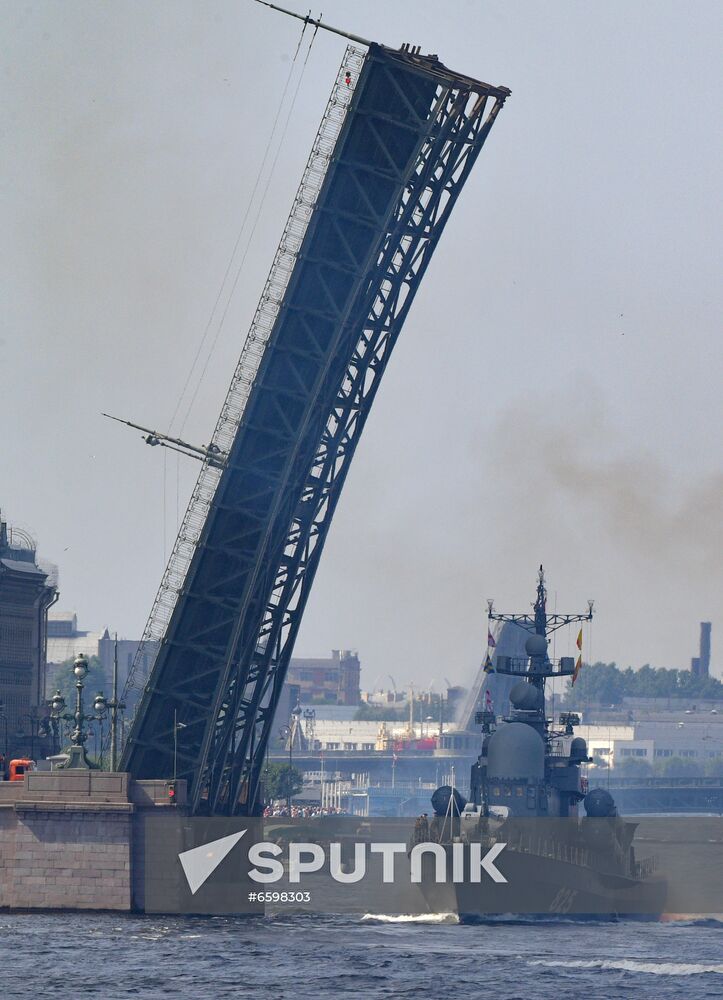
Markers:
<point>107,956</point>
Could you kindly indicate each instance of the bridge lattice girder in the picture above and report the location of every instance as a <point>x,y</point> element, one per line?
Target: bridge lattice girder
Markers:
<point>409,138</point>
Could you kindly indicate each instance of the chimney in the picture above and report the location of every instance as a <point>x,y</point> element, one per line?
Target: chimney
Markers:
<point>704,658</point>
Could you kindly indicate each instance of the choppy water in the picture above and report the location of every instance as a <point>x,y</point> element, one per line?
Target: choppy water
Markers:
<point>75,955</point>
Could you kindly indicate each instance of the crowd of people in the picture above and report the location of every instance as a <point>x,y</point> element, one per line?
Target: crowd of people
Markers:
<point>303,812</point>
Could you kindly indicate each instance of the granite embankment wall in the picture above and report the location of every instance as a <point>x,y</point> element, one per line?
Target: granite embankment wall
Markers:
<point>71,839</point>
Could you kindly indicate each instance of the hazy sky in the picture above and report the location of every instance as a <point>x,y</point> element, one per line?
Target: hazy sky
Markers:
<point>555,395</point>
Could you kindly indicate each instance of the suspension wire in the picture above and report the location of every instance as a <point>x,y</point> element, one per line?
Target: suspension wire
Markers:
<point>219,294</point>
<point>259,211</point>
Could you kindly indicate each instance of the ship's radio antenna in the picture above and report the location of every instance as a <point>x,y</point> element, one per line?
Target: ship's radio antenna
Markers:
<point>317,23</point>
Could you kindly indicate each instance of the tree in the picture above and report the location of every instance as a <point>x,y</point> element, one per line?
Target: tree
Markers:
<point>605,684</point>
<point>714,767</point>
<point>679,767</point>
<point>634,767</point>
<point>282,781</point>
<point>601,683</point>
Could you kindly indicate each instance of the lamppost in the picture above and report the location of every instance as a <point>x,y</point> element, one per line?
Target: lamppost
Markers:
<point>79,735</point>
<point>38,729</point>
<point>4,717</point>
<point>286,734</point>
<point>104,707</point>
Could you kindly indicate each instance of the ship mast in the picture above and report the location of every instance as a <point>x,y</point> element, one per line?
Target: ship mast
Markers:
<point>540,605</point>
<point>540,625</point>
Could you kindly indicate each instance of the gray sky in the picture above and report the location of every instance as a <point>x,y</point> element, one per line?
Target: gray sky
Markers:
<point>555,395</point>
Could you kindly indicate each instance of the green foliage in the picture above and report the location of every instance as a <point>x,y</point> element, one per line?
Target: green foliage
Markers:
<point>601,683</point>
<point>678,767</point>
<point>606,684</point>
<point>633,767</point>
<point>65,681</point>
<point>282,781</point>
<point>713,767</point>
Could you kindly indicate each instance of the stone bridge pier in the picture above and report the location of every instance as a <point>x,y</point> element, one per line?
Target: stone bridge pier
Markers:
<point>74,839</point>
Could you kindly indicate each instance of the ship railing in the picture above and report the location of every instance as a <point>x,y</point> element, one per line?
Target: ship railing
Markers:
<point>550,847</point>
<point>520,665</point>
<point>645,867</point>
<point>557,850</point>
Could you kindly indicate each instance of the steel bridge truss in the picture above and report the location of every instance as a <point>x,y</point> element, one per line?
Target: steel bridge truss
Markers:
<point>410,137</point>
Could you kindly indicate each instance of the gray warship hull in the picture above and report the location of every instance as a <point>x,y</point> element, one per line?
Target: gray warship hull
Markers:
<point>545,887</point>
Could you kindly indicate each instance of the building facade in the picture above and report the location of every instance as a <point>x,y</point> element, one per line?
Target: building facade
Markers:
<point>689,736</point>
<point>334,680</point>
<point>26,594</point>
<point>66,641</point>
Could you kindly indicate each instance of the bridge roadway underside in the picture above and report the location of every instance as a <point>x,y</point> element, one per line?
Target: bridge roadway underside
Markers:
<point>411,135</point>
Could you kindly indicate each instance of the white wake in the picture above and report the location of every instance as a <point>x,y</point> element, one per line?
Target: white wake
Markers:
<point>413,918</point>
<point>630,965</point>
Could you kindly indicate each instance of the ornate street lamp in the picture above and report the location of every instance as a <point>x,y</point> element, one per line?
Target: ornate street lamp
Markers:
<point>79,735</point>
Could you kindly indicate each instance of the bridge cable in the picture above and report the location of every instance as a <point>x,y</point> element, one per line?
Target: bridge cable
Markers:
<point>219,294</point>
<point>129,678</point>
<point>250,237</point>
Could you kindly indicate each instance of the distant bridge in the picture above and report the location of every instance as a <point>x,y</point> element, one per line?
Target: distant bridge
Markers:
<point>667,795</point>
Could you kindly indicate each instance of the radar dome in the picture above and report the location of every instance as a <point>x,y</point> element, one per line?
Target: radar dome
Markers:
<point>516,750</point>
<point>578,749</point>
<point>536,645</point>
<point>525,697</point>
<point>440,801</point>
<point>599,803</point>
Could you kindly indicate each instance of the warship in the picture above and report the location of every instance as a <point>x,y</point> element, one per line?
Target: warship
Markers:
<point>525,790</point>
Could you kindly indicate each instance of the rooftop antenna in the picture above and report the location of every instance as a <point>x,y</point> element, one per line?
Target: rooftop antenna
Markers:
<point>317,23</point>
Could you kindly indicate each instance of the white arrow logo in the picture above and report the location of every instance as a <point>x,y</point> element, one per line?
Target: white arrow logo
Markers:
<point>201,862</point>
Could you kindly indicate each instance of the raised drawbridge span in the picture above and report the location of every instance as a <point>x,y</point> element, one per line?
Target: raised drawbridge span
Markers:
<point>396,144</point>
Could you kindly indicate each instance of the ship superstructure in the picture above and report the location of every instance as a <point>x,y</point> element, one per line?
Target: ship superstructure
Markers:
<point>527,767</point>
<point>525,790</point>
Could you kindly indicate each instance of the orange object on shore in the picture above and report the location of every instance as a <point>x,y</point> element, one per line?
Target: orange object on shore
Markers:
<point>19,767</point>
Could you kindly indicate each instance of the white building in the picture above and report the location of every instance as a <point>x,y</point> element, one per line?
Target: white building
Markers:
<point>695,736</point>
